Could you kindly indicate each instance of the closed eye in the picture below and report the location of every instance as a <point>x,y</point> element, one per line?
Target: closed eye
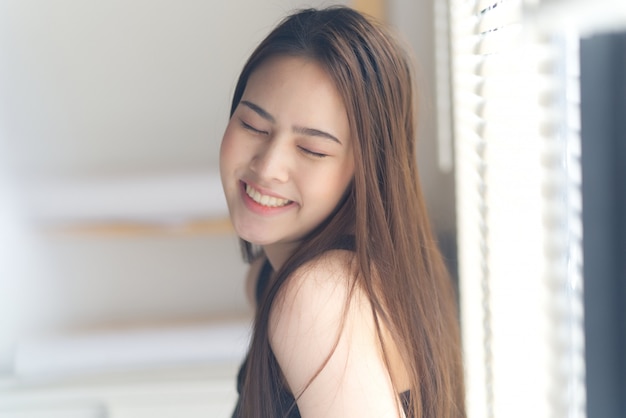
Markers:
<point>312,153</point>
<point>252,128</point>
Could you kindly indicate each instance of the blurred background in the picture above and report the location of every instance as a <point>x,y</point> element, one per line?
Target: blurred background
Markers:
<point>121,284</point>
<point>116,258</point>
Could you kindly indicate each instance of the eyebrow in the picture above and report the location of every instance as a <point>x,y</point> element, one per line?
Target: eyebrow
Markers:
<point>259,110</point>
<point>315,132</point>
<point>297,129</point>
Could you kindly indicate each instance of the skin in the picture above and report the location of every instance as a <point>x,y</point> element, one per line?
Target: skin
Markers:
<point>289,138</point>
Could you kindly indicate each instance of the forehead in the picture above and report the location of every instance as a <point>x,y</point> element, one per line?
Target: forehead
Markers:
<point>286,63</point>
<point>299,78</point>
<point>299,91</point>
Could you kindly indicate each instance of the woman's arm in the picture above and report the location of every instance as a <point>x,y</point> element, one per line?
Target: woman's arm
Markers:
<point>306,324</point>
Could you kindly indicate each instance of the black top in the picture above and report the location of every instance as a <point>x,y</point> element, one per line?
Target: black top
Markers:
<point>286,399</point>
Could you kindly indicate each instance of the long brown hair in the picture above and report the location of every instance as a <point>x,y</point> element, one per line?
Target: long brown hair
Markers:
<point>400,266</point>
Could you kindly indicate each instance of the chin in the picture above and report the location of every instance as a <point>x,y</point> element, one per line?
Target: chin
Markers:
<point>253,238</point>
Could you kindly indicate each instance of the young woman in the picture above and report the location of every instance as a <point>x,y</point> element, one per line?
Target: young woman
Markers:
<point>355,314</point>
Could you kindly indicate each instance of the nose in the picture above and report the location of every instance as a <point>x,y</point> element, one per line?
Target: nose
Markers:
<point>271,162</point>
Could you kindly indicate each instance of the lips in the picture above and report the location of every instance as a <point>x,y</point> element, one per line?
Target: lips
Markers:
<point>265,200</point>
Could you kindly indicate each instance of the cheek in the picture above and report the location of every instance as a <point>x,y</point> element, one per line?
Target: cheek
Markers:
<point>331,186</point>
<point>346,173</point>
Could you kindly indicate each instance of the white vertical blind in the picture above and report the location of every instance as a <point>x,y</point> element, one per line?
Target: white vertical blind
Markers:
<point>518,213</point>
<point>562,164</point>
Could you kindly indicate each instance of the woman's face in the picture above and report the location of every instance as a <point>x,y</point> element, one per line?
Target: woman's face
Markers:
<point>286,157</point>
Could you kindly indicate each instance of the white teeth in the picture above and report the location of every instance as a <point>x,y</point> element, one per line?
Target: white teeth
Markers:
<point>265,200</point>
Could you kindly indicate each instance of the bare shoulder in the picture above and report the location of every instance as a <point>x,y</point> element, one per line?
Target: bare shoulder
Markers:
<point>252,277</point>
<point>323,335</point>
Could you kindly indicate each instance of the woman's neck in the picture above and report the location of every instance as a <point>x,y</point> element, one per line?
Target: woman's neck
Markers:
<point>278,253</point>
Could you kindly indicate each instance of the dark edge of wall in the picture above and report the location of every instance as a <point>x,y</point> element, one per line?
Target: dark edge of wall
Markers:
<point>603,136</point>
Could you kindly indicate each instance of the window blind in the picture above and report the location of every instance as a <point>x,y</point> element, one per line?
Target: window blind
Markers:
<point>517,168</point>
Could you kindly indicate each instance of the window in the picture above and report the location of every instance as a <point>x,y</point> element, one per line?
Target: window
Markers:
<point>518,179</point>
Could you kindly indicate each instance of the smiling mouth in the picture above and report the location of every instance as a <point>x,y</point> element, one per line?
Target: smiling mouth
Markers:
<point>265,200</point>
